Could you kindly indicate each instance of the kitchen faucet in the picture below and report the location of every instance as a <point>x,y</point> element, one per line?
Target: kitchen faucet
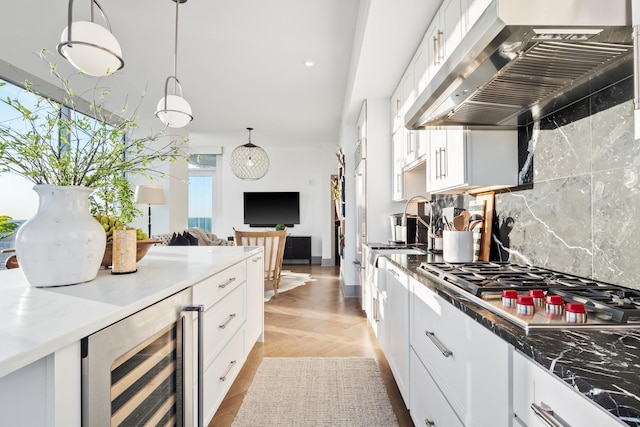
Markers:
<point>404,216</point>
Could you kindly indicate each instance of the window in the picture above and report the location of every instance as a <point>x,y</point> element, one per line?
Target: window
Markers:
<point>202,190</point>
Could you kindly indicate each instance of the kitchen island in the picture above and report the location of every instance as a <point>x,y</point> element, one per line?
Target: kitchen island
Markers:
<point>41,328</point>
<point>602,365</point>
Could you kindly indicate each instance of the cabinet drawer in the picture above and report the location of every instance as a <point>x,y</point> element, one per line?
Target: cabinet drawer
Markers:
<point>213,288</point>
<point>222,320</point>
<point>534,385</point>
<point>220,375</point>
<point>464,359</point>
<point>428,405</point>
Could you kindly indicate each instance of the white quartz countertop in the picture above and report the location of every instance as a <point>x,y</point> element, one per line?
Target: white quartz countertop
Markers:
<point>35,322</point>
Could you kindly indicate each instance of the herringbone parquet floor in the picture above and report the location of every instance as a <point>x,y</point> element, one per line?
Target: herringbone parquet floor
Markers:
<point>312,320</point>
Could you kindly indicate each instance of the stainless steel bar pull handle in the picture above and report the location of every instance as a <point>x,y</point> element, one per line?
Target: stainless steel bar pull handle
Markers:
<point>224,376</point>
<point>227,283</point>
<point>445,163</point>
<point>200,310</point>
<point>226,323</point>
<point>432,336</point>
<point>546,414</point>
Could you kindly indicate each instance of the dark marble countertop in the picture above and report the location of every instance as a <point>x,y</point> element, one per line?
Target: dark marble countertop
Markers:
<point>603,365</point>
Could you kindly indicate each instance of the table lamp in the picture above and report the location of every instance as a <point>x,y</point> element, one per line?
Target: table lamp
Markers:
<point>151,195</point>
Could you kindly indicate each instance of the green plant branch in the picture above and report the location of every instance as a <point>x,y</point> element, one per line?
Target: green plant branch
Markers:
<point>56,145</point>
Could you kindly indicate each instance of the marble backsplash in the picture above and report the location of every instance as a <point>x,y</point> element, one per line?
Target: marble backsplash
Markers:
<point>576,209</point>
<point>579,194</point>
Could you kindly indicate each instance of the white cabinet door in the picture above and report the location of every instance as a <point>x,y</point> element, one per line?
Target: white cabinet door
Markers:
<point>422,144</point>
<point>420,68</point>
<point>428,406</point>
<point>398,327</point>
<point>536,390</point>
<point>454,155</point>
<point>473,9</point>
<point>408,98</point>
<point>396,108</point>
<point>437,143</point>
<point>434,42</point>
<point>463,357</point>
<point>398,164</point>
<point>254,330</point>
<point>453,23</point>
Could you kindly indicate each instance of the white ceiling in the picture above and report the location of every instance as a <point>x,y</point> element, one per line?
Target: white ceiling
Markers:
<point>241,62</point>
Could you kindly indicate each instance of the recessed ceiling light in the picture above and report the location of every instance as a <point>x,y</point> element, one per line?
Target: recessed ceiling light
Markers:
<point>309,63</point>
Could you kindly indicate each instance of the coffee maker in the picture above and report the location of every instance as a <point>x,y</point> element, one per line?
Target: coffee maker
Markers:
<point>403,234</point>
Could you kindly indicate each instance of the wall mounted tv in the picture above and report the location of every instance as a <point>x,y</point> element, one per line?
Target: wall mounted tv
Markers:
<point>267,209</point>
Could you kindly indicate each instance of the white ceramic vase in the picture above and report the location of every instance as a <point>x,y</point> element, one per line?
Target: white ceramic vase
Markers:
<point>62,244</point>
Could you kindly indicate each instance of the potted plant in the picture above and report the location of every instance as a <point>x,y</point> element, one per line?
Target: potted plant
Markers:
<point>68,155</point>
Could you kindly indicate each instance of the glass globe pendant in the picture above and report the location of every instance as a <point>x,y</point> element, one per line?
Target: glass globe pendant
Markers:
<point>249,162</point>
<point>89,47</point>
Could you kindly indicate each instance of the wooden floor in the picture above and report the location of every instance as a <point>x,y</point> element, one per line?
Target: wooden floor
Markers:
<point>312,320</point>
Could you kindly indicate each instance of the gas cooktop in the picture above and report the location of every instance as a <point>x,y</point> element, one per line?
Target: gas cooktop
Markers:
<point>538,298</point>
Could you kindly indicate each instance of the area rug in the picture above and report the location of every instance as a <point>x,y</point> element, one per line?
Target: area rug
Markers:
<point>288,280</point>
<point>316,391</point>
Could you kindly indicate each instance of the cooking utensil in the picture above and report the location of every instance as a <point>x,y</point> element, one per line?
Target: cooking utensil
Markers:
<point>459,223</point>
<point>448,224</point>
<point>466,215</point>
<point>474,224</point>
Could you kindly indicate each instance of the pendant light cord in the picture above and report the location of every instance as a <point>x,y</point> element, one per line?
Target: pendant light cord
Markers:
<point>175,53</point>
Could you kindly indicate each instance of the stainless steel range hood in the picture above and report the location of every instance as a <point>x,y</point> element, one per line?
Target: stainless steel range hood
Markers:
<point>523,60</point>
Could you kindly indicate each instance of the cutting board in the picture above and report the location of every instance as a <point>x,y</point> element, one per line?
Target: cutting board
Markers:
<point>485,245</point>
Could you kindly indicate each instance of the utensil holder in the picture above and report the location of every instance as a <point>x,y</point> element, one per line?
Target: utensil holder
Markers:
<point>457,246</point>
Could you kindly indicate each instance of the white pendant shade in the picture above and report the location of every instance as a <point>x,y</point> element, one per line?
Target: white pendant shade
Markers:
<point>176,113</point>
<point>93,50</point>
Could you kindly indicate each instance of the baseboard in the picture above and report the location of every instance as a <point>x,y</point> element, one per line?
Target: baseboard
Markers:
<point>350,291</point>
<point>315,260</point>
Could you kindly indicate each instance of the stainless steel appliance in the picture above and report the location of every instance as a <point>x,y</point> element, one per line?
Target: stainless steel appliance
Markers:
<point>598,304</point>
<point>140,370</point>
<point>403,233</point>
<point>527,57</point>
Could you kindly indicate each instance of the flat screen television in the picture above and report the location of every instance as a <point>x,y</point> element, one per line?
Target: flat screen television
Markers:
<point>267,209</point>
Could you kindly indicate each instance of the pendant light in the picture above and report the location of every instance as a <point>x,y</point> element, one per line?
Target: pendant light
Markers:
<point>89,47</point>
<point>249,162</point>
<point>173,110</point>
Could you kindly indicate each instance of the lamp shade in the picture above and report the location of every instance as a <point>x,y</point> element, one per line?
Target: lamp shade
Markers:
<point>93,50</point>
<point>176,113</point>
<point>149,194</point>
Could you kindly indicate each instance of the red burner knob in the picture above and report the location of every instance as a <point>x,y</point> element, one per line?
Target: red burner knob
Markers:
<point>509,298</point>
<point>554,304</point>
<point>538,297</point>
<point>525,305</point>
<point>575,312</point>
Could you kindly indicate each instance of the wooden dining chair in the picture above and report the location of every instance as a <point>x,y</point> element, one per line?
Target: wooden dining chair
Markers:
<point>273,244</point>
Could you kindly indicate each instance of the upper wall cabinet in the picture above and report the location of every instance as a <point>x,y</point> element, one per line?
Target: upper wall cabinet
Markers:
<point>473,8</point>
<point>462,160</point>
<point>442,36</point>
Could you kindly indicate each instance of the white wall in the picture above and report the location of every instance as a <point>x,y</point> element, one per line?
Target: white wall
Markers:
<point>303,168</point>
<point>173,215</point>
